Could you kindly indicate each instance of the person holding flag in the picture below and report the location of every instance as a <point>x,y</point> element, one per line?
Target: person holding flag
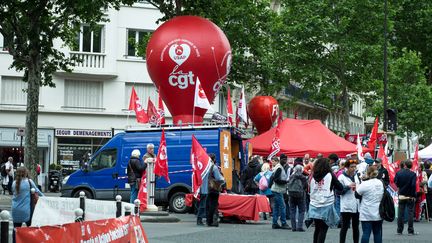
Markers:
<point>206,179</point>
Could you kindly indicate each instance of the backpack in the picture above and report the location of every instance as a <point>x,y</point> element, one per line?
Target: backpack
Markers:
<point>295,187</point>
<point>3,170</point>
<point>386,207</point>
<point>263,184</point>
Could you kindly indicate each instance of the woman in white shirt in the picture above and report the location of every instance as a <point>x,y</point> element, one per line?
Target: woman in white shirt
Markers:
<point>349,204</point>
<point>370,192</point>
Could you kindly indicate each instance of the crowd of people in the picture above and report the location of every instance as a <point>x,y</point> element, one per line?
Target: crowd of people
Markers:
<point>332,192</point>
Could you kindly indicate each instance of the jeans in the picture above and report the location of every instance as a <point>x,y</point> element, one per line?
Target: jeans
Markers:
<point>294,204</point>
<point>409,203</point>
<point>320,232</point>
<point>134,193</point>
<point>346,218</point>
<point>211,207</point>
<point>279,209</point>
<point>337,205</point>
<point>202,207</point>
<point>372,226</point>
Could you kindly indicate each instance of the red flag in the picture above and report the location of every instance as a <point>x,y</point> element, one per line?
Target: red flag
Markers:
<point>161,111</point>
<point>135,104</point>
<point>373,137</point>
<point>142,193</point>
<point>200,165</point>
<point>280,119</point>
<point>152,112</point>
<point>275,146</point>
<point>415,165</point>
<point>161,164</point>
<point>229,108</point>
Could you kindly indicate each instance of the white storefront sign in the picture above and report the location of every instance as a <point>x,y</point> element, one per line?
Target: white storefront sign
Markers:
<point>83,133</point>
<point>60,210</point>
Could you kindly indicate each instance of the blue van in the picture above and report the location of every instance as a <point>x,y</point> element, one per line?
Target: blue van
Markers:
<point>104,177</point>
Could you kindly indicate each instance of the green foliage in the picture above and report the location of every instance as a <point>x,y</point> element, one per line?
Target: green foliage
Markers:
<point>410,94</point>
<point>30,27</point>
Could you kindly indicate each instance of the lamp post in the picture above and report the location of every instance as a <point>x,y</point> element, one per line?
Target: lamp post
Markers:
<point>385,66</point>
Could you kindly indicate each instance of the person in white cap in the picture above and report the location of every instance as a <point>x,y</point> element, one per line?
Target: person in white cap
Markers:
<point>135,170</point>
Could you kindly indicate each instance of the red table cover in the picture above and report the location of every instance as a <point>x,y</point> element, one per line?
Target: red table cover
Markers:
<point>247,207</point>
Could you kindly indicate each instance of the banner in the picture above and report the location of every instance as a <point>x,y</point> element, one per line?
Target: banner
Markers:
<point>61,210</point>
<point>123,229</point>
<point>381,138</point>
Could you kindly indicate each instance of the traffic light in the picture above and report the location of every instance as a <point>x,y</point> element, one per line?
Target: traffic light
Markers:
<point>391,120</point>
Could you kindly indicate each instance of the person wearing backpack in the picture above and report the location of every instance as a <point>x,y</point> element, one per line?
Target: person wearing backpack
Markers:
<point>348,203</point>
<point>247,178</point>
<point>297,185</point>
<point>263,181</point>
<point>370,192</point>
<point>278,188</point>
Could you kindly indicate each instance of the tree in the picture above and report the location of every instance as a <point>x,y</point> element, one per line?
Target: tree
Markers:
<point>29,29</point>
<point>412,21</point>
<point>410,95</point>
<point>334,48</point>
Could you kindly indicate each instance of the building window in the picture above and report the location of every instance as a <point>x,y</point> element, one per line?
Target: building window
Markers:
<point>90,39</point>
<point>3,43</point>
<point>136,38</point>
<point>144,91</point>
<point>81,94</point>
<point>12,91</point>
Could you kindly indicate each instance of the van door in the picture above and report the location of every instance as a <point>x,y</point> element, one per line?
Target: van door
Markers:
<point>102,175</point>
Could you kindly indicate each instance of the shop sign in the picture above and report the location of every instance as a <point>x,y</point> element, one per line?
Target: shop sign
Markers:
<point>83,133</point>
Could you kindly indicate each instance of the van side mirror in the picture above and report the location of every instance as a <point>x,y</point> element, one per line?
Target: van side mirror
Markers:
<point>85,167</point>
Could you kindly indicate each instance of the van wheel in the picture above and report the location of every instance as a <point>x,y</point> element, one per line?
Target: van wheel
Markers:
<point>88,194</point>
<point>177,203</point>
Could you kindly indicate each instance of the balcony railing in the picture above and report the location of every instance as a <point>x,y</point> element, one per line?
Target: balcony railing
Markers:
<point>89,59</point>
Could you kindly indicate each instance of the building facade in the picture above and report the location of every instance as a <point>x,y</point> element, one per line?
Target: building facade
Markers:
<point>88,106</point>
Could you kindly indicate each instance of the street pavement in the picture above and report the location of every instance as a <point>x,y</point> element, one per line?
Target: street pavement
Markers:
<point>187,231</point>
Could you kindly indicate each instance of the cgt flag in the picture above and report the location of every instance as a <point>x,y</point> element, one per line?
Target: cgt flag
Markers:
<point>152,112</point>
<point>373,136</point>
<point>241,109</point>
<point>275,146</point>
<point>161,111</point>
<point>229,108</point>
<point>161,165</point>
<point>200,165</point>
<point>200,99</point>
<point>135,104</point>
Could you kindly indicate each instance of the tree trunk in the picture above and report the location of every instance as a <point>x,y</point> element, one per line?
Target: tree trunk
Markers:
<point>346,108</point>
<point>30,148</point>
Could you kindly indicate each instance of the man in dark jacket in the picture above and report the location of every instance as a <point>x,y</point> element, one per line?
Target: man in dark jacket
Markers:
<point>135,170</point>
<point>405,180</point>
<point>382,172</point>
<point>253,168</point>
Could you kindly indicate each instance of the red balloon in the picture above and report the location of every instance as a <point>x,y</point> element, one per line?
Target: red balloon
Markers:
<point>180,51</point>
<point>263,111</point>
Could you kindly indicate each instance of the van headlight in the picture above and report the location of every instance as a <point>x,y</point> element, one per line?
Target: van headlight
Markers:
<point>65,180</point>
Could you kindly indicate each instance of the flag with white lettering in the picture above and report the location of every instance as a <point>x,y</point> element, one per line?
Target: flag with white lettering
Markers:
<point>200,165</point>
<point>161,164</point>
<point>135,104</point>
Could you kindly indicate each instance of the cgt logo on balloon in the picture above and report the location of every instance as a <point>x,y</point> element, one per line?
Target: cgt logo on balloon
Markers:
<point>181,50</point>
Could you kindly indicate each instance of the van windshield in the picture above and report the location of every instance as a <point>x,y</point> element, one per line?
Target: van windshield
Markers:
<point>105,159</point>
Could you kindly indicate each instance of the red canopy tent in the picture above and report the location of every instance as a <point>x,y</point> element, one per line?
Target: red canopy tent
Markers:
<point>300,137</point>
